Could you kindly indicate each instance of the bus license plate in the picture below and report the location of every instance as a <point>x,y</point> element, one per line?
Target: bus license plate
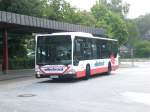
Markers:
<point>54,76</point>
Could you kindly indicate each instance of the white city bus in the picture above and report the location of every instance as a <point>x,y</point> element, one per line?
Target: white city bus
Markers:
<point>74,55</point>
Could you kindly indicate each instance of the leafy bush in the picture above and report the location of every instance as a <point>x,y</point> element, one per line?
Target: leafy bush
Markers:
<point>142,49</point>
<point>21,63</point>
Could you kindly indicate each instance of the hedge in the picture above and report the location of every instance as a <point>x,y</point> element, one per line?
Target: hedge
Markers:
<point>21,63</point>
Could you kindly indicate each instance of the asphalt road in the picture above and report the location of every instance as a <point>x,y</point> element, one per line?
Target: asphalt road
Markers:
<point>125,90</point>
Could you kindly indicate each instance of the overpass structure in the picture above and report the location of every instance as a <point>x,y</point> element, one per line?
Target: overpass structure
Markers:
<point>12,22</point>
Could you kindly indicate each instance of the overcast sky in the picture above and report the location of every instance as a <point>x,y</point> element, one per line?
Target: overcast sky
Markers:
<point>137,7</point>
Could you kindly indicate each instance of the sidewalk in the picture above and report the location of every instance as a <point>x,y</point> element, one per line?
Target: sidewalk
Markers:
<point>127,65</point>
<point>14,74</point>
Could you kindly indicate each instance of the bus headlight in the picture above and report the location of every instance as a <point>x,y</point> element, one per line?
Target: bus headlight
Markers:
<point>38,72</point>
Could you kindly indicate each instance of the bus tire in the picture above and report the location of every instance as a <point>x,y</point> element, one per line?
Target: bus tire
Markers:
<point>109,68</point>
<point>87,72</point>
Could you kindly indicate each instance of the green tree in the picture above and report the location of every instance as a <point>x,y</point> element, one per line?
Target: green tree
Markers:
<point>18,43</point>
<point>133,31</point>
<point>114,24</point>
<point>86,18</point>
<point>143,24</point>
<point>116,6</point>
<point>142,46</point>
<point>4,4</point>
<point>60,10</point>
<point>27,7</point>
<point>142,49</point>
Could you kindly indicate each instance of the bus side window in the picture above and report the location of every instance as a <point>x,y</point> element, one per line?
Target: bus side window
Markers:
<point>98,45</point>
<point>78,49</point>
<point>114,48</point>
<point>105,49</point>
<point>87,49</point>
<point>94,49</point>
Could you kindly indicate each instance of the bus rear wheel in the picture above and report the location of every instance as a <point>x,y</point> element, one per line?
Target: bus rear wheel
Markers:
<point>87,72</point>
<point>109,68</point>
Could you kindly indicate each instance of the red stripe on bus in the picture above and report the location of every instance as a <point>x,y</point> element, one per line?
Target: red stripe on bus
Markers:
<point>80,74</point>
<point>99,70</point>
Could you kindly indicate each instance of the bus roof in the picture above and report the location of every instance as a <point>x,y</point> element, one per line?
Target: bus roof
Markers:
<point>101,38</point>
<point>74,34</point>
<point>82,34</point>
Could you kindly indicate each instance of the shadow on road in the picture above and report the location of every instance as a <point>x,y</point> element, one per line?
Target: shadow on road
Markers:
<point>59,81</point>
<point>75,80</point>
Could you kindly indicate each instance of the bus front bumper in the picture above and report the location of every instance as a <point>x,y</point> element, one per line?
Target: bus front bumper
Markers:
<point>57,76</point>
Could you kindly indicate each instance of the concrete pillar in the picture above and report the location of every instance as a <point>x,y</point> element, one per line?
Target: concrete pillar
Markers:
<point>5,52</point>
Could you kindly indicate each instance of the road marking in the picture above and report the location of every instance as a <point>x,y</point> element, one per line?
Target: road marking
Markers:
<point>138,97</point>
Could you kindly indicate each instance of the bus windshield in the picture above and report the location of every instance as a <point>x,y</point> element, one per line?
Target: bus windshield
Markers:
<point>53,50</point>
